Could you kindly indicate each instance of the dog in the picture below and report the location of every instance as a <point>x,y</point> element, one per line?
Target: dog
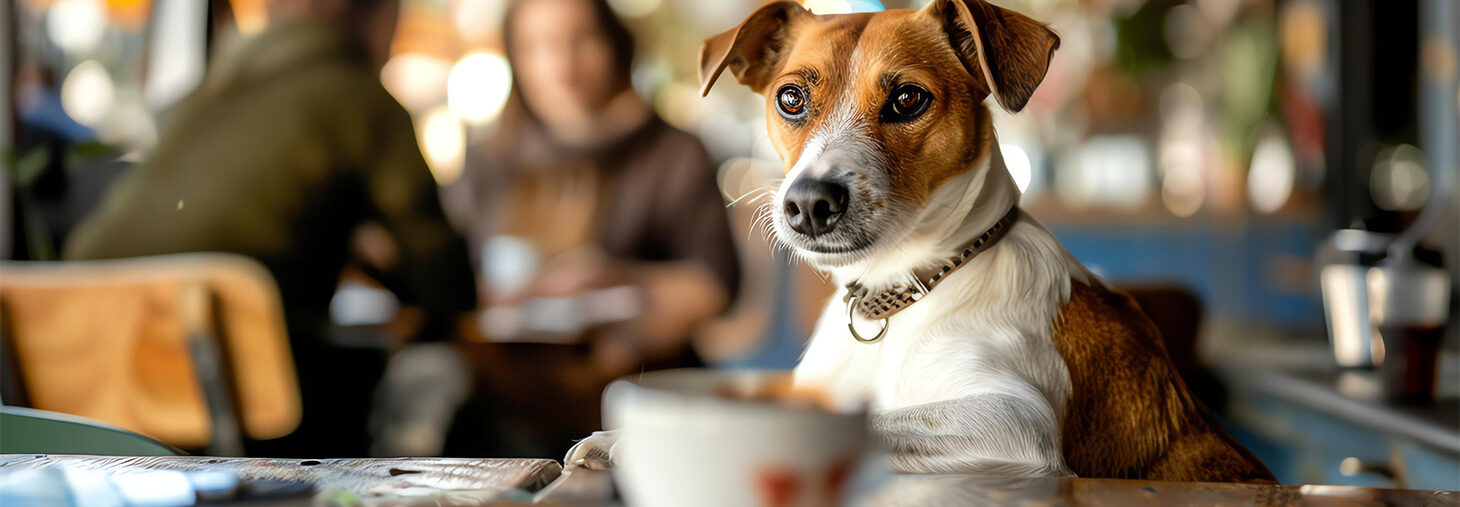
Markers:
<point>978,343</point>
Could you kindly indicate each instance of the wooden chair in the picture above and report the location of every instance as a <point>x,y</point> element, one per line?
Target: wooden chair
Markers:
<point>189,349</point>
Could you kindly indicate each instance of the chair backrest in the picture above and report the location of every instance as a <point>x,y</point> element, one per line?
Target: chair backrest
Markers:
<point>31,431</point>
<point>118,341</point>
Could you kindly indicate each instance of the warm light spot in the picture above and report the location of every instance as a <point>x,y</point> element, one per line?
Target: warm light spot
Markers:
<point>479,19</point>
<point>76,26</point>
<point>129,14</point>
<point>87,92</point>
<point>417,80</point>
<point>478,87</point>
<point>443,142</point>
<point>1270,178</point>
<point>680,104</point>
<point>251,16</point>
<point>1182,155</point>
<point>1304,31</point>
<point>1182,190</point>
<point>1350,466</point>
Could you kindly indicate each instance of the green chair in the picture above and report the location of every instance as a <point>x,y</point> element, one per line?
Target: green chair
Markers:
<point>31,431</point>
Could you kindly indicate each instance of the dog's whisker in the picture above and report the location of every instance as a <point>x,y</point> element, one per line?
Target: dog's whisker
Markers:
<point>754,194</point>
<point>755,224</point>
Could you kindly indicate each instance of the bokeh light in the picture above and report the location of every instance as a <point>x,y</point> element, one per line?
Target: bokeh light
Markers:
<point>1399,181</point>
<point>86,94</point>
<point>1182,150</point>
<point>129,14</point>
<point>1270,178</point>
<point>443,142</point>
<point>76,26</point>
<point>416,80</point>
<point>1182,190</point>
<point>478,86</point>
<point>252,16</point>
<point>1304,33</point>
<point>479,19</point>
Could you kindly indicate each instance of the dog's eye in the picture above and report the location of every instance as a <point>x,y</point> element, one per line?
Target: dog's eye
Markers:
<point>791,101</point>
<point>906,103</point>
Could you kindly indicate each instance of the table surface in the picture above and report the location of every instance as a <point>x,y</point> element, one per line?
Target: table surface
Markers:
<point>448,481</point>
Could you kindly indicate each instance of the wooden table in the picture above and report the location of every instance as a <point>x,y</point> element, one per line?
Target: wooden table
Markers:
<point>965,490</point>
<point>444,481</point>
<point>580,487</point>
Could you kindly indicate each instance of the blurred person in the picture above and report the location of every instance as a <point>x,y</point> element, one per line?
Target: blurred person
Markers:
<point>612,203</point>
<point>288,146</point>
<point>44,208</point>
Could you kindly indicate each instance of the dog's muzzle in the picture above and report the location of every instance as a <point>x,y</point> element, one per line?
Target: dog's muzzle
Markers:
<point>814,205</point>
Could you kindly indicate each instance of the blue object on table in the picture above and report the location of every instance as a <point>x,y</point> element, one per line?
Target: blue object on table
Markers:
<point>76,486</point>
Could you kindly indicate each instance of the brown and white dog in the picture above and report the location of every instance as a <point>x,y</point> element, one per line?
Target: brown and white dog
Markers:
<point>980,344</point>
<point>1002,353</point>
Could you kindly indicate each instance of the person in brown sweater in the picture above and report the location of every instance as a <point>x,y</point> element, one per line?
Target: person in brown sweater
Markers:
<point>608,195</point>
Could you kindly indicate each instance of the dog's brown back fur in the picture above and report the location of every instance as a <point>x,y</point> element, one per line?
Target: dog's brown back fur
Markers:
<point>1129,414</point>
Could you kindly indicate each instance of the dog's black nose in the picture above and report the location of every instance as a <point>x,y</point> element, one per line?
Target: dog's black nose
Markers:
<point>814,205</point>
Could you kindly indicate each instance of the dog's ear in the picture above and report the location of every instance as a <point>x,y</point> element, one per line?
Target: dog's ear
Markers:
<point>1009,50</point>
<point>752,50</point>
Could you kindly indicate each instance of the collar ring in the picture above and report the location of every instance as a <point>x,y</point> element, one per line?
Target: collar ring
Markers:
<point>852,324</point>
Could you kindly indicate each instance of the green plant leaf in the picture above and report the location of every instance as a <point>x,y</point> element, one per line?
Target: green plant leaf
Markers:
<point>29,167</point>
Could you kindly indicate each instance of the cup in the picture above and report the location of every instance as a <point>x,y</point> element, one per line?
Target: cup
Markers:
<point>1346,304</point>
<point>685,439</point>
<point>1409,305</point>
<point>1345,259</point>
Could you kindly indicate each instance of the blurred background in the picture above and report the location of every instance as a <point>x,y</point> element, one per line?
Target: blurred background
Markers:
<point>1274,180</point>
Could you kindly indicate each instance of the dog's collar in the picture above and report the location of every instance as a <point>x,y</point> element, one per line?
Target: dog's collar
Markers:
<point>883,304</point>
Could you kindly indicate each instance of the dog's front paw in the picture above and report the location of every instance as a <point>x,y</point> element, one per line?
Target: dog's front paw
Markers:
<point>593,453</point>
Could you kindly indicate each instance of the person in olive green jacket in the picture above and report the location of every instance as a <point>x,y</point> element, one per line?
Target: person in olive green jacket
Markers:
<point>286,147</point>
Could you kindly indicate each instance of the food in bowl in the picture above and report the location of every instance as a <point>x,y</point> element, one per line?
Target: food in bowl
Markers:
<point>781,390</point>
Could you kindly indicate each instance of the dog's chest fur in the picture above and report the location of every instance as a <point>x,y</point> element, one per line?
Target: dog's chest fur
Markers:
<point>1026,319</point>
<point>986,329</point>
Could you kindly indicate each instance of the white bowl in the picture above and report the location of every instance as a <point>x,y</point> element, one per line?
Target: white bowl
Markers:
<point>681,442</point>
